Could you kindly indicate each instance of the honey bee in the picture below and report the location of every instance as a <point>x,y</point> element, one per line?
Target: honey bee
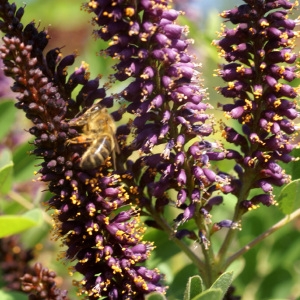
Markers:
<point>98,132</point>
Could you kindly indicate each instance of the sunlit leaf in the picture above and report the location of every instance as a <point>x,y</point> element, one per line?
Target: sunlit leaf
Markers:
<point>289,197</point>
<point>223,282</point>
<point>6,167</point>
<point>7,117</point>
<point>12,295</point>
<point>24,164</point>
<point>194,287</point>
<point>13,224</point>
<point>212,294</point>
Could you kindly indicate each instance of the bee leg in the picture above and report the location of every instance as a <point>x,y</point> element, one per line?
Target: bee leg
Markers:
<point>81,139</point>
<point>117,148</point>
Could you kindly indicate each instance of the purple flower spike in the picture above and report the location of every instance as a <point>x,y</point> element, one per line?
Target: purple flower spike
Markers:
<point>166,102</point>
<point>94,208</point>
<point>260,68</point>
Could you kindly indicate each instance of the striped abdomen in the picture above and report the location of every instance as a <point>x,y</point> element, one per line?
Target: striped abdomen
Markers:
<point>100,149</point>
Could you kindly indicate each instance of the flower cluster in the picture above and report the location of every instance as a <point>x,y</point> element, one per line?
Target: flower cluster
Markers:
<point>92,212</point>
<point>19,275</point>
<point>14,261</point>
<point>170,121</point>
<point>39,283</point>
<point>260,68</point>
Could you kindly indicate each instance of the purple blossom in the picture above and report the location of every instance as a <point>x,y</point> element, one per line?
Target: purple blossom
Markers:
<point>259,52</point>
<point>108,251</point>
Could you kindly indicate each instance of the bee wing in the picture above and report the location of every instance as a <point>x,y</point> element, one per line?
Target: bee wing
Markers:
<point>116,148</point>
<point>84,118</point>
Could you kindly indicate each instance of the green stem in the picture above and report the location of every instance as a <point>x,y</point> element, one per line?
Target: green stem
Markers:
<point>28,205</point>
<point>185,248</point>
<point>261,237</point>
<point>209,257</point>
<point>247,180</point>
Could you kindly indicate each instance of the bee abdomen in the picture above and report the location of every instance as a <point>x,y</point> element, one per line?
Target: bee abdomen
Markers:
<point>97,153</point>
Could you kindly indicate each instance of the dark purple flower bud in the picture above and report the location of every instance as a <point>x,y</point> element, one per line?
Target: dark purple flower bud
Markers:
<point>198,172</point>
<point>268,173</point>
<point>264,185</point>
<point>181,178</point>
<point>158,54</point>
<point>170,55</point>
<point>157,101</point>
<point>226,224</point>
<point>196,195</point>
<point>284,55</point>
<point>265,199</point>
<point>166,116</point>
<point>180,141</point>
<point>181,197</point>
<point>203,130</point>
<point>180,234</point>
<point>162,40</point>
<point>189,212</point>
<point>179,44</point>
<point>173,31</point>
<point>164,130</point>
<point>170,14</point>
<point>237,112</point>
<point>179,159</point>
<point>210,175</point>
<point>279,3</point>
<point>276,15</point>
<point>233,136</point>
<point>216,200</point>
<point>167,151</point>
<point>291,113</point>
<point>195,151</point>
<point>217,155</point>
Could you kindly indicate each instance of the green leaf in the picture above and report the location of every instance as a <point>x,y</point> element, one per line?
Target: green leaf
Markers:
<point>12,295</point>
<point>155,296</point>
<point>288,197</point>
<point>211,294</point>
<point>194,287</point>
<point>13,224</point>
<point>36,234</point>
<point>24,164</point>
<point>7,117</point>
<point>223,282</point>
<point>6,168</point>
<point>293,168</point>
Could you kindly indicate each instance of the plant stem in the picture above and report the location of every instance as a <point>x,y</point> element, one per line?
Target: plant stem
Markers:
<point>265,234</point>
<point>184,247</point>
<point>28,205</point>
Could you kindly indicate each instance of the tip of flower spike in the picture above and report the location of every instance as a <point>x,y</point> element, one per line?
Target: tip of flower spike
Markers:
<point>84,66</point>
<point>93,4</point>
